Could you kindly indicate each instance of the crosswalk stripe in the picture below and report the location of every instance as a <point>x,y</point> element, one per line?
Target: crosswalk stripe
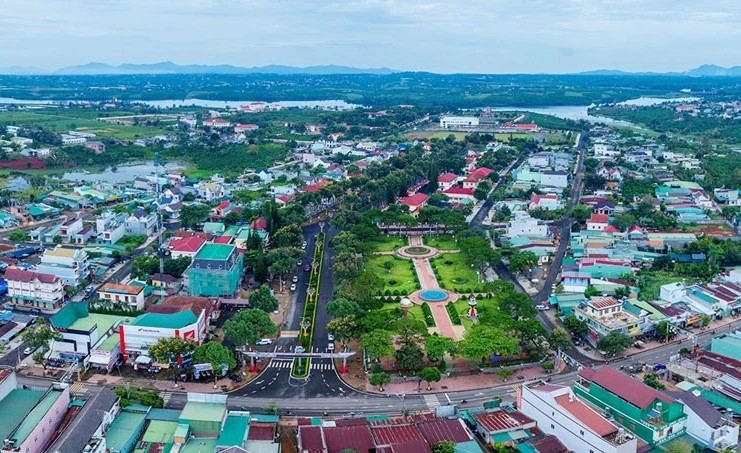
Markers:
<point>432,401</point>
<point>166,397</point>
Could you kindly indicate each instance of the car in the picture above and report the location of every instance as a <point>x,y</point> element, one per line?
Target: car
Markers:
<point>330,337</point>
<point>235,377</point>
<point>299,263</point>
<point>293,287</point>
<point>303,246</point>
<point>295,279</point>
<point>28,351</point>
<point>35,311</point>
<point>265,341</point>
<point>330,347</point>
<point>307,268</point>
<point>544,307</point>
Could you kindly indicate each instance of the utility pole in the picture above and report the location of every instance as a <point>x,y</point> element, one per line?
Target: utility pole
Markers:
<point>158,215</point>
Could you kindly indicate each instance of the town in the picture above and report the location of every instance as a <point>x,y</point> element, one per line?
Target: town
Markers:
<point>336,278</point>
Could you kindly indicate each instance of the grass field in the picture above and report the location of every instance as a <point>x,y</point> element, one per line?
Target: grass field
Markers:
<point>441,242</point>
<point>461,306</point>
<point>63,122</point>
<point>401,276</point>
<point>454,272</point>
<point>389,243</point>
<point>650,283</point>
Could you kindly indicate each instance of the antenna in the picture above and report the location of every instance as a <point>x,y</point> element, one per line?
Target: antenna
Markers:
<point>158,215</point>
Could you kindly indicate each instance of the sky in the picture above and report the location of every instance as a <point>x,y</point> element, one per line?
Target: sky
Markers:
<point>453,36</point>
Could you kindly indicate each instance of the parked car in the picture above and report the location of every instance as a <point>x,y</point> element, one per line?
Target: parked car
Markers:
<point>28,351</point>
<point>544,307</point>
<point>330,347</point>
<point>235,377</point>
<point>330,337</point>
<point>295,279</point>
<point>293,287</point>
<point>307,268</point>
<point>265,341</point>
<point>303,246</point>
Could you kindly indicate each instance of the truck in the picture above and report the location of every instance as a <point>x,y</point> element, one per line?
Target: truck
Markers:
<point>23,252</point>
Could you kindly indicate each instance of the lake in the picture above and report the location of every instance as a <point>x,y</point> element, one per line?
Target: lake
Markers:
<point>123,173</point>
<point>205,103</point>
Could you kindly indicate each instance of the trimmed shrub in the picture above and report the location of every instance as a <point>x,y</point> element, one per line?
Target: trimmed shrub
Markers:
<point>427,313</point>
<point>396,292</point>
<point>455,317</point>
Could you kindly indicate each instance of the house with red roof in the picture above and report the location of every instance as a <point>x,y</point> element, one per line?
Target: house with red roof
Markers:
<point>246,128</point>
<point>216,123</point>
<point>527,127</point>
<point>187,246</point>
<point>446,181</point>
<point>491,423</point>
<point>549,202</point>
<point>597,222</point>
<point>643,411</point>
<point>34,290</point>
<point>414,202</point>
<point>559,412</point>
<point>460,195</point>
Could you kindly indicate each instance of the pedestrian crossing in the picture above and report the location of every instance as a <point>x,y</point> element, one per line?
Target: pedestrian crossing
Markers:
<point>319,366</point>
<point>77,388</point>
<point>166,397</point>
<point>432,401</point>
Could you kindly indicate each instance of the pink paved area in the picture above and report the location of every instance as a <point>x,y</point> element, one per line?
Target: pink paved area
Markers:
<point>469,382</point>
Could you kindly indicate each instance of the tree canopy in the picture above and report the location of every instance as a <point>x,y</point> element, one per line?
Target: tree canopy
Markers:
<point>248,326</point>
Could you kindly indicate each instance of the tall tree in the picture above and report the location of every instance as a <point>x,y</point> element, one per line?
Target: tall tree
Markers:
<point>436,346</point>
<point>343,307</point>
<point>248,326</point>
<point>288,236</point>
<point>343,328</point>
<point>380,379</point>
<point>192,215</point>
<point>263,300</point>
<point>218,355</point>
<point>614,343</point>
<point>40,335</point>
<point>432,174</point>
<point>481,341</point>
<point>377,343</point>
<point>168,349</point>
<point>408,357</point>
<point>429,375</point>
<point>559,340</point>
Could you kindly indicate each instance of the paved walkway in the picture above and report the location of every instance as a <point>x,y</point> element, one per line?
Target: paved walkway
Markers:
<point>427,280</point>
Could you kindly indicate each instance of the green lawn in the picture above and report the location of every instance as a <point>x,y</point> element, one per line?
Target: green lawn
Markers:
<point>441,242</point>
<point>459,136</point>
<point>650,284</point>
<point>461,306</point>
<point>414,312</point>
<point>401,277</point>
<point>454,272</point>
<point>389,243</point>
<point>65,122</point>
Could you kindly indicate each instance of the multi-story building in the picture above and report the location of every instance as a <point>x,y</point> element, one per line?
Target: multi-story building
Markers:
<point>579,427</point>
<point>34,290</point>
<point>216,270</point>
<point>604,315</point>
<point>69,264</point>
<point>110,227</point>
<point>707,424</point>
<point>86,430</point>
<point>129,297</point>
<point>524,225</point>
<point>647,413</point>
<point>69,229</point>
<point>452,122</point>
<point>140,223</point>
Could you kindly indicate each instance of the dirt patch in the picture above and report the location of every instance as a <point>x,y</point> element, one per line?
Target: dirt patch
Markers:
<point>23,164</point>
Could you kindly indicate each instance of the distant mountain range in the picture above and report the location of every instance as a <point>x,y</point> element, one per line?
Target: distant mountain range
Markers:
<point>168,67</point>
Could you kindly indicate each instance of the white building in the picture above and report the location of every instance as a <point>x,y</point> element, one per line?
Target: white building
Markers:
<point>578,426</point>
<point>672,292</point>
<point>70,228</point>
<point>69,264</point>
<point>524,225</point>
<point>558,179</point>
<point>72,140</point>
<point>110,227</point>
<point>140,223</point>
<point>451,122</point>
<point>124,296</point>
<point>604,150</point>
<point>146,329</point>
<point>706,424</point>
<point>34,290</point>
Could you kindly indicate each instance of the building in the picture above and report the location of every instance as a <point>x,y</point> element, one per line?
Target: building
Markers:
<point>579,427</point>
<point>453,122</point>
<point>140,223</point>
<point>110,227</point>
<point>216,270</point>
<point>597,222</point>
<point>460,195</point>
<point>707,424</point>
<point>34,290</point>
<point>72,140</point>
<point>652,416</point>
<point>522,224</point>
<point>69,230</point>
<point>549,202</point>
<point>128,297</point>
<point>69,264</point>
<point>81,331</point>
<point>186,246</point>
<point>96,147</point>
<point>414,202</point>
<point>490,424</point>
<point>604,315</point>
<point>85,432</point>
<point>216,123</point>
<point>446,181</point>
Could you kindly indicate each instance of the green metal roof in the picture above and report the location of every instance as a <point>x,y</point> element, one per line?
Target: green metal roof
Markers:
<point>69,314</point>
<point>104,322</point>
<point>160,431</point>
<point>35,416</point>
<point>199,445</point>
<point>166,321</point>
<point>110,343</point>
<point>468,447</point>
<point>182,430</point>
<point>234,431</point>
<point>14,407</point>
<point>213,227</point>
<point>210,412</point>
<point>169,415</point>
<point>123,428</point>
<point>218,252</point>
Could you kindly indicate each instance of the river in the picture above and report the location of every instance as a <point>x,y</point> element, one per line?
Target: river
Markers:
<point>335,104</point>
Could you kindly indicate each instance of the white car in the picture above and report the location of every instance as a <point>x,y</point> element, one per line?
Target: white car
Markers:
<point>330,337</point>
<point>303,246</point>
<point>265,341</point>
<point>28,351</point>
<point>295,279</point>
<point>293,287</point>
<point>330,347</point>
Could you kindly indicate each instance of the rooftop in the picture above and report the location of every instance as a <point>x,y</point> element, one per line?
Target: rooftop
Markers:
<point>14,407</point>
<point>234,430</point>
<point>79,431</point>
<point>356,437</point>
<point>188,244</point>
<point>121,289</point>
<point>499,420</point>
<point>444,429</point>
<point>195,410</point>
<point>20,275</point>
<point>585,414</point>
<point>217,252</point>
<point>35,416</point>
<point>167,321</point>
<point>633,391</point>
<point>64,252</point>
<point>601,303</point>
